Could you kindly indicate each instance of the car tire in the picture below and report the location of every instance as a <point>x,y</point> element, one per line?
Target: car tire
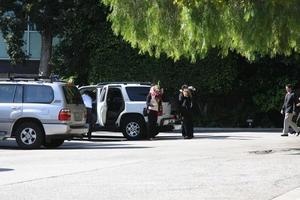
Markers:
<point>54,143</point>
<point>133,128</point>
<point>29,135</point>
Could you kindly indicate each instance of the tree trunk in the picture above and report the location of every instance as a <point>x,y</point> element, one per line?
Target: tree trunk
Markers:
<point>46,51</point>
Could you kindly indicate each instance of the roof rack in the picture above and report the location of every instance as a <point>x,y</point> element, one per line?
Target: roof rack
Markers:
<point>31,77</point>
<point>124,82</point>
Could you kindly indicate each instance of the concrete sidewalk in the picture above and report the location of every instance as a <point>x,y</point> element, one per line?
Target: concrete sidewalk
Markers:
<point>212,166</point>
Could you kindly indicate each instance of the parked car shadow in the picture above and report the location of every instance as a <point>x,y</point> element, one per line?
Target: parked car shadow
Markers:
<point>104,138</point>
<point>93,145</point>
<point>213,137</point>
<point>75,145</point>
<point>163,136</point>
<point>115,142</point>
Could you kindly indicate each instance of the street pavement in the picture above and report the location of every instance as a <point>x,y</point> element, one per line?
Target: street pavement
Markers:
<point>225,165</point>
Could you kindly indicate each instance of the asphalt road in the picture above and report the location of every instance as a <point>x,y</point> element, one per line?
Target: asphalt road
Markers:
<point>211,166</point>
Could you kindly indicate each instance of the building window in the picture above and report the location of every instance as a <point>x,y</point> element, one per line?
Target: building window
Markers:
<point>3,47</point>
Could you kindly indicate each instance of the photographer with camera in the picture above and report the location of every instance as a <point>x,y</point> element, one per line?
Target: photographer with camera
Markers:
<point>186,106</point>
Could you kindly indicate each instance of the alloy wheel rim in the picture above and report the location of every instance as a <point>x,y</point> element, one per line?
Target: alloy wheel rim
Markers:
<point>28,136</point>
<point>133,129</point>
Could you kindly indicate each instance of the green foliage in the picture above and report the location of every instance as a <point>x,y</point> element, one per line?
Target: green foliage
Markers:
<point>189,28</point>
<point>88,24</point>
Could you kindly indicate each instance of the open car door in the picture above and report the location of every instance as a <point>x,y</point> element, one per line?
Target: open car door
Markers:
<point>102,106</point>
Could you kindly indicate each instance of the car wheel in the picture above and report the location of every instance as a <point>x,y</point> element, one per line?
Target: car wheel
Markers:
<point>133,128</point>
<point>29,135</point>
<point>54,143</point>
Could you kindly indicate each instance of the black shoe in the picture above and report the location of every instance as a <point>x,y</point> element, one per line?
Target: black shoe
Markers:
<point>284,135</point>
<point>298,133</point>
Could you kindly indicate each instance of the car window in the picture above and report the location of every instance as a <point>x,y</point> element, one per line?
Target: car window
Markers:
<point>91,91</point>
<point>137,93</point>
<point>7,93</point>
<point>18,94</point>
<point>38,94</point>
<point>72,95</point>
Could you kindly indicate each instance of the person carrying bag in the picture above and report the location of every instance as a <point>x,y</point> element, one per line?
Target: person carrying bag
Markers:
<point>154,107</point>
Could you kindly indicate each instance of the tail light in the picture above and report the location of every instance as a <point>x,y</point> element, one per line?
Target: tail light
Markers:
<point>64,115</point>
<point>85,114</point>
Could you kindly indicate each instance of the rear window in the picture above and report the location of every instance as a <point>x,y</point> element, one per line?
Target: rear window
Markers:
<point>72,95</point>
<point>7,93</point>
<point>38,94</point>
<point>137,93</point>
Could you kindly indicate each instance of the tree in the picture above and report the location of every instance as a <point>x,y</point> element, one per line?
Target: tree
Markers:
<point>189,28</point>
<point>73,54</point>
<point>12,24</point>
<point>47,15</point>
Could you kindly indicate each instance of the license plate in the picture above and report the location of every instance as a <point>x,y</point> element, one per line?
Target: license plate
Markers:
<point>77,116</point>
<point>177,127</point>
<point>167,122</point>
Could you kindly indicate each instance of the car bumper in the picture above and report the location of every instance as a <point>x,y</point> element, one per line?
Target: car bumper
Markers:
<point>60,129</point>
<point>167,121</point>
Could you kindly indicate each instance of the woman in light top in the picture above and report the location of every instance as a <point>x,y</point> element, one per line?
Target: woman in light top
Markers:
<point>154,106</point>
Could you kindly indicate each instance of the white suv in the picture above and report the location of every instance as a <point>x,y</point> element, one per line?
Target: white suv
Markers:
<point>120,106</point>
<point>40,112</point>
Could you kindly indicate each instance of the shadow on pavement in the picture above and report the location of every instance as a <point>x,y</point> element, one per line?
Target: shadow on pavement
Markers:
<point>213,137</point>
<point>5,169</point>
<point>114,142</point>
<point>76,145</point>
<point>102,139</point>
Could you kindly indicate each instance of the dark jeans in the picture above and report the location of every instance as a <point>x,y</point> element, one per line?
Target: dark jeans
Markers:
<point>152,124</point>
<point>187,125</point>
<point>89,120</point>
